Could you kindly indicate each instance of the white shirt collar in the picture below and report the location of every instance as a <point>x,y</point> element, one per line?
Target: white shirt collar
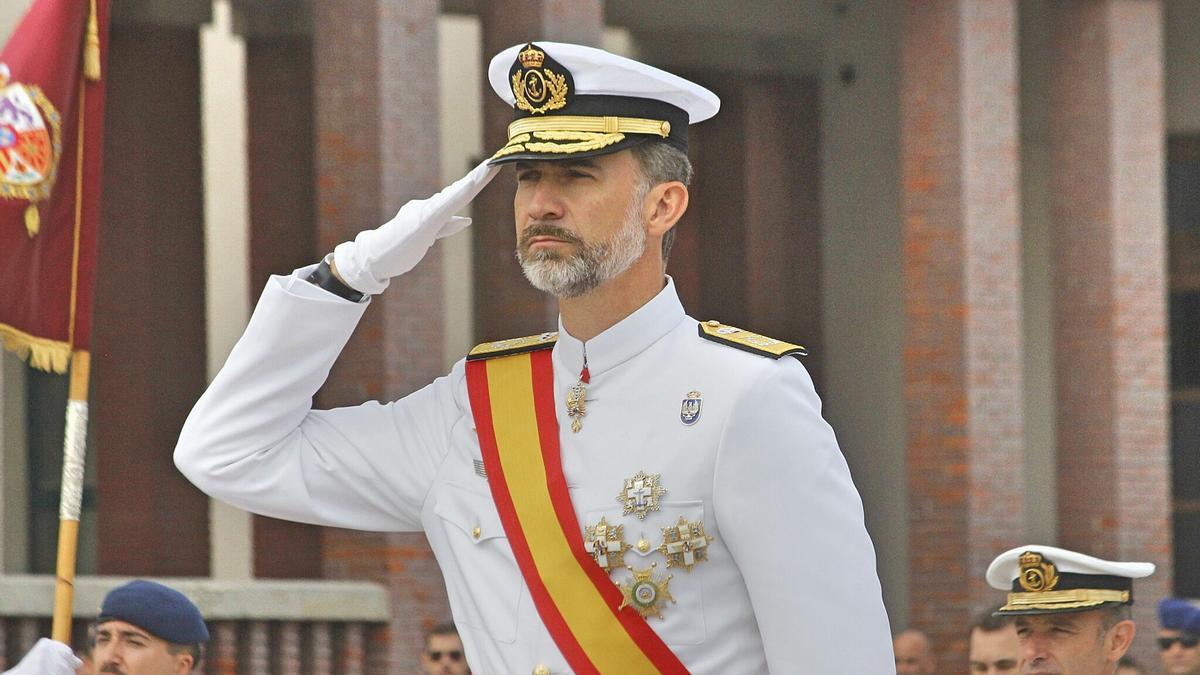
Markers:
<point>622,341</point>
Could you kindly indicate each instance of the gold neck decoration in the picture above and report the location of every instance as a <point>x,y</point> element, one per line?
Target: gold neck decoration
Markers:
<point>577,399</point>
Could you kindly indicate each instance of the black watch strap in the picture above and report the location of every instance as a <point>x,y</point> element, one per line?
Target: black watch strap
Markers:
<point>323,278</point>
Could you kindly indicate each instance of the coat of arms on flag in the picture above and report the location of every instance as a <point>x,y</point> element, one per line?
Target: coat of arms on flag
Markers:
<point>30,145</point>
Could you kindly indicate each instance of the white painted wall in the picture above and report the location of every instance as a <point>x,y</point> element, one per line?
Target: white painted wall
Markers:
<point>226,247</point>
<point>1041,456</point>
<point>861,274</point>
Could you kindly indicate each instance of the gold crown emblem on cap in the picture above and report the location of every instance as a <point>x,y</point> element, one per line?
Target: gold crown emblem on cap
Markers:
<point>1037,574</point>
<point>532,57</point>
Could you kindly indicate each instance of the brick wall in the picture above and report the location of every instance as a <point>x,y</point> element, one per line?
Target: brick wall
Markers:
<point>961,261</point>
<point>1106,202</point>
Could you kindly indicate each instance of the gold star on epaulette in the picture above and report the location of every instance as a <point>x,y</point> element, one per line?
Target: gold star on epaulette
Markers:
<point>747,341</point>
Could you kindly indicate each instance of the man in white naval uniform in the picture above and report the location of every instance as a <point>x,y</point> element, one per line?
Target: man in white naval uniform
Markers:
<point>686,423</point>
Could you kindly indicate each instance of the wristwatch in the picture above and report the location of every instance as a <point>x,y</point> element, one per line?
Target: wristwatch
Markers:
<point>323,277</point>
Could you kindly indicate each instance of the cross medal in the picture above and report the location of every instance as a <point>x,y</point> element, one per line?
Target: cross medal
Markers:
<point>576,400</point>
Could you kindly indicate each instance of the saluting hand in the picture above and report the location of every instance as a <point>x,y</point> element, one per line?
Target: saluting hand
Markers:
<point>47,658</point>
<point>369,262</point>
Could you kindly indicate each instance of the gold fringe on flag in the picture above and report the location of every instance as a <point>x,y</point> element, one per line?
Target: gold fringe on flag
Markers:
<point>51,356</point>
<point>91,48</point>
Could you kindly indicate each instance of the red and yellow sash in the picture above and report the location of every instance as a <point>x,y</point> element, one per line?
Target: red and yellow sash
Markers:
<point>512,398</point>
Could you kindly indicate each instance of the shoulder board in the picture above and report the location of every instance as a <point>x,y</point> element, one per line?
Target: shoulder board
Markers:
<point>490,350</point>
<point>747,341</point>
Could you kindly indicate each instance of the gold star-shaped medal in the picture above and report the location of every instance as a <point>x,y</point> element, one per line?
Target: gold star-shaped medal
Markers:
<point>646,594</point>
<point>685,544</point>
<point>605,544</point>
<point>641,494</point>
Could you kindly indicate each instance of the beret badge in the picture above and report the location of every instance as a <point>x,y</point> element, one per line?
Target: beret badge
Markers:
<point>539,84</point>
<point>1037,574</point>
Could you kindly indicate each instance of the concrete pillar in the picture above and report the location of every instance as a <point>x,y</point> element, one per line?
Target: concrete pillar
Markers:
<point>962,300</point>
<point>1106,203</point>
<point>505,304</point>
<point>861,244</point>
<point>376,139</point>
<point>148,351</point>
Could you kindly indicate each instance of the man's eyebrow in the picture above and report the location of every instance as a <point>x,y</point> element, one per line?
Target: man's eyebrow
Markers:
<point>582,162</point>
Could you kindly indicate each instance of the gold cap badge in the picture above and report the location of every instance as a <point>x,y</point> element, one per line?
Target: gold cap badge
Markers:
<point>539,83</point>
<point>1037,574</point>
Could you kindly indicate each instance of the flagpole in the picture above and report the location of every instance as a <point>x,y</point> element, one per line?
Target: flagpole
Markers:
<point>74,451</point>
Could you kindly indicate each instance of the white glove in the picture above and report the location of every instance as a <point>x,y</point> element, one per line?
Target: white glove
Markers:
<point>47,658</point>
<point>369,262</point>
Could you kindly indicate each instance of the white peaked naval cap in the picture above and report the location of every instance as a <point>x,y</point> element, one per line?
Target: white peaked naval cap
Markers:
<point>1047,579</point>
<point>573,101</point>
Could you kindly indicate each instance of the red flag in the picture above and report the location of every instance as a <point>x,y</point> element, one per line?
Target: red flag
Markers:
<point>51,122</point>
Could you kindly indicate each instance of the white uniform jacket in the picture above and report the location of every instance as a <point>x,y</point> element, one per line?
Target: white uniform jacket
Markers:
<point>789,584</point>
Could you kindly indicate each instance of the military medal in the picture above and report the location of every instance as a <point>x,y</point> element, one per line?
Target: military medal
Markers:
<point>646,594</point>
<point>641,494</point>
<point>685,544</point>
<point>576,399</point>
<point>606,545</point>
<point>689,410</point>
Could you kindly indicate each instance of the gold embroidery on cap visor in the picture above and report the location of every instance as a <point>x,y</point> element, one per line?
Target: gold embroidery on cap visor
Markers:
<point>568,134</point>
<point>1078,598</point>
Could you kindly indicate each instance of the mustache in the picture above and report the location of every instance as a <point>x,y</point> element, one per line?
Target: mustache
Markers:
<point>112,668</point>
<point>547,230</point>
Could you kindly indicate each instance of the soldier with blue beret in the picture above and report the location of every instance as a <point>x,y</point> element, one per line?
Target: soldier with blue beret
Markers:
<point>1179,636</point>
<point>146,628</point>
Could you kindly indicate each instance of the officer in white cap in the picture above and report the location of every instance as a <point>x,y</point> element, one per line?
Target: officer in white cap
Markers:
<point>638,492</point>
<point>1071,610</point>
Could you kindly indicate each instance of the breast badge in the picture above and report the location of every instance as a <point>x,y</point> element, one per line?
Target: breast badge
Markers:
<point>606,545</point>
<point>646,593</point>
<point>689,411</point>
<point>685,544</point>
<point>641,494</point>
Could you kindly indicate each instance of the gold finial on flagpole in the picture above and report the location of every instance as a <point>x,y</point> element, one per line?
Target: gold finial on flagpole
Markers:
<point>91,47</point>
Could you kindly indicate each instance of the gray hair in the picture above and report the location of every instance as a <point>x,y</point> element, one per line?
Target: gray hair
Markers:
<point>662,163</point>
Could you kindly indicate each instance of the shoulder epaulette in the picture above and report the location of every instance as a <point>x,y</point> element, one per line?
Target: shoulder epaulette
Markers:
<point>747,341</point>
<point>490,350</point>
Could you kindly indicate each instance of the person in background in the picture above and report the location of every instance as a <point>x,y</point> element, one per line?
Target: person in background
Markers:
<point>1071,610</point>
<point>993,645</point>
<point>1179,636</point>
<point>443,653</point>
<point>146,628</point>
<point>914,653</point>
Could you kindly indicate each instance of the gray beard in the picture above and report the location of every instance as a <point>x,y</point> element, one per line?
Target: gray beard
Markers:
<point>591,265</point>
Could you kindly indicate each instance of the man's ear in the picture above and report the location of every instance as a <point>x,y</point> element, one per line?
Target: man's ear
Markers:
<point>1118,640</point>
<point>664,206</point>
<point>183,663</point>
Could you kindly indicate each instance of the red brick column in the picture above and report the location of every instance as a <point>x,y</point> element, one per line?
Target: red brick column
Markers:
<point>505,304</point>
<point>148,349</point>
<point>1106,202</point>
<point>961,262</point>
<point>376,142</point>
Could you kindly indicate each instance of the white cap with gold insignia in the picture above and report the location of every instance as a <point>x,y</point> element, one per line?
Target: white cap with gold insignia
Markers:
<point>1046,579</point>
<point>574,101</point>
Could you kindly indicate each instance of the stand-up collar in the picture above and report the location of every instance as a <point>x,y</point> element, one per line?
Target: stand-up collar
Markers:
<point>622,341</point>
